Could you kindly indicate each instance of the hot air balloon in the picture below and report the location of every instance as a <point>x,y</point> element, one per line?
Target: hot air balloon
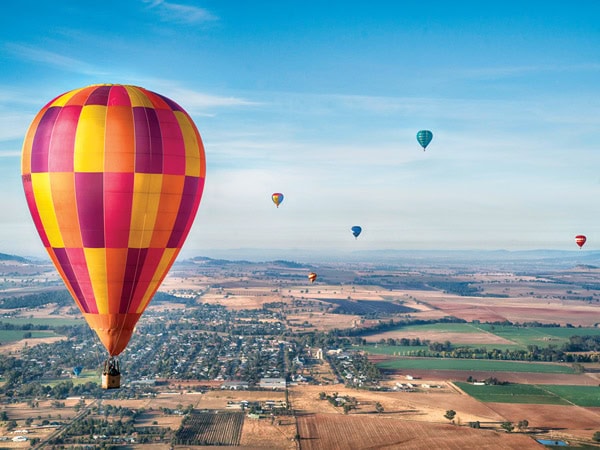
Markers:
<point>113,176</point>
<point>356,230</point>
<point>312,277</point>
<point>424,137</point>
<point>77,370</point>
<point>580,240</point>
<point>277,198</point>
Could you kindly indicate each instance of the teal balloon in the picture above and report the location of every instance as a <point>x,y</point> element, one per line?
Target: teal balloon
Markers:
<point>424,137</point>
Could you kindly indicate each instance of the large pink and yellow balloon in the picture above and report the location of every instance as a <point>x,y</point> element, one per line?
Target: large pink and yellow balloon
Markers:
<point>113,177</point>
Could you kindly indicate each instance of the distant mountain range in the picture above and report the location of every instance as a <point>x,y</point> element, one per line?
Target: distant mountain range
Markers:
<point>509,259</point>
<point>298,258</point>
<point>6,257</point>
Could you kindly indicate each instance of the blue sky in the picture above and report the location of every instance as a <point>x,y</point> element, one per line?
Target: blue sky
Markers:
<point>322,101</point>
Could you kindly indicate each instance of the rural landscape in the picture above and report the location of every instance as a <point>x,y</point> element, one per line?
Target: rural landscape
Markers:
<point>412,352</point>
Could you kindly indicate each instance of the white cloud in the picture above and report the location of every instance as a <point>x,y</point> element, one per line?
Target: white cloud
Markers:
<point>176,12</point>
<point>61,61</point>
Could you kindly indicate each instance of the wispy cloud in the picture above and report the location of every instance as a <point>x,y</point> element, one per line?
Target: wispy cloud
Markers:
<point>192,100</point>
<point>516,71</point>
<point>58,60</point>
<point>176,12</point>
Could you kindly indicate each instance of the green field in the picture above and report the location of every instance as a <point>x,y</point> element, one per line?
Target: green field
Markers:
<point>579,395</point>
<point>520,337</point>
<point>483,365</point>
<point>449,327</point>
<point>512,393</point>
<point>540,336</point>
<point>403,350</point>
<point>535,394</point>
<point>84,377</point>
<point>51,322</point>
<point>17,335</point>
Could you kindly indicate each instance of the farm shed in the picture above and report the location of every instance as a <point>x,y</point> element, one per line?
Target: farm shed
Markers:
<point>272,383</point>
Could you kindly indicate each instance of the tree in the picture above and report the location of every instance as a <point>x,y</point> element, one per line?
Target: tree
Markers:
<point>378,407</point>
<point>508,426</point>
<point>523,424</point>
<point>450,414</point>
<point>596,436</point>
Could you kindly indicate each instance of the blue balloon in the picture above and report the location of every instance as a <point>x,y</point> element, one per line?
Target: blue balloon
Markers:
<point>77,370</point>
<point>356,230</point>
<point>424,137</point>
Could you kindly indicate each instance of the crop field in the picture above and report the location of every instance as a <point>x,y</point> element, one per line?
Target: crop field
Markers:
<point>512,393</point>
<point>17,335</point>
<point>540,336</point>
<point>378,349</point>
<point>587,396</point>
<point>211,428</point>
<point>47,321</point>
<point>343,432</point>
<point>364,307</point>
<point>485,335</point>
<point>480,365</point>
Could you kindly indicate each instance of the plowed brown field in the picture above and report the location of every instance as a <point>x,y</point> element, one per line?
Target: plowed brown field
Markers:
<point>353,432</point>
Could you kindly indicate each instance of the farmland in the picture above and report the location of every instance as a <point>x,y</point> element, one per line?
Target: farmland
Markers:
<point>586,396</point>
<point>211,428</point>
<point>513,393</point>
<point>335,432</point>
<point>224,315</point>
<point>472,365</point>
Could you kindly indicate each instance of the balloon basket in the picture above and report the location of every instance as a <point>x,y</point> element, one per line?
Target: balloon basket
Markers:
<point>111,375</point>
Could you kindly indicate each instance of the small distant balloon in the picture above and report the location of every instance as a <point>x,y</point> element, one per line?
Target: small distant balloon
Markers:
<point>356,230</point>
<point>77,370</point>
<point>312,277</point>
<point>277,198</point>
<point>580,240</point>
<point>424,137</point>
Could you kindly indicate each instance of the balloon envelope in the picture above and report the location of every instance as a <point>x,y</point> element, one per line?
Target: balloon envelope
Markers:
<point>424,137</point>
<point>580,240</point>
<point>277,198</point>
<point>312,277</point>
<point>113,176</point>
<point>356,230</point>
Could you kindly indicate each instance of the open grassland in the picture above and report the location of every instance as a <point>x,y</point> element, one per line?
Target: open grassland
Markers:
<point>85,377</point>
<point>471,365</point>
